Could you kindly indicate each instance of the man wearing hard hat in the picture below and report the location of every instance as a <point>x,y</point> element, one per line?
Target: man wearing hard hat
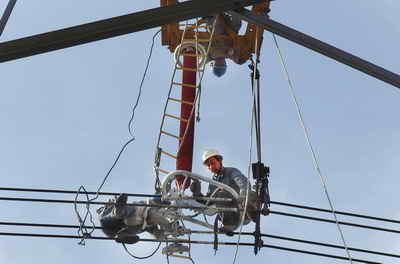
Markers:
<point>232,177</point>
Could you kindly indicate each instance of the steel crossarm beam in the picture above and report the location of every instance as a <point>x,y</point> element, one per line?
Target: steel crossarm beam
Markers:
<point>320,47</point>
<point>115,26</point>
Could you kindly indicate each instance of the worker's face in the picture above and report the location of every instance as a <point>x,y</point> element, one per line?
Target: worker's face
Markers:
<point>213,165</point>
<point>220,61</point>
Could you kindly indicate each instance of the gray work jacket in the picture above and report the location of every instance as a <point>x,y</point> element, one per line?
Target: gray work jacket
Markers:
<point>231,177</point>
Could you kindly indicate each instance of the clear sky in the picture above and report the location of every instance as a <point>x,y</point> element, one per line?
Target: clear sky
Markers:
<point>64,118</point>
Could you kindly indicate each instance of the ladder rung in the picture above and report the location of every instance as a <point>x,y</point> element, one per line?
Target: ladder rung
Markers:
<point>178,256</point>
<point>171,135</point>
<point>192,54</point>
<point>176,117</point>
<point>189,69</point>
<point>163,171</point>
<point>193,25</point>
<point>203,40</point>
<point>185,84</point>
<point>169,154</point>
<point>180,101</point>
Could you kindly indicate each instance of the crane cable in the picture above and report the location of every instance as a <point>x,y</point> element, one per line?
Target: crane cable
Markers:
<point>311,148</point>
<point>84,232</point>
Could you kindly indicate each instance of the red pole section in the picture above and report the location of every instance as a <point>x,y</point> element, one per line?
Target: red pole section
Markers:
<point>185,156</point>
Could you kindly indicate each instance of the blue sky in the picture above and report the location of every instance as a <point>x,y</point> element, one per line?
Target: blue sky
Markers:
<point>64,117</point>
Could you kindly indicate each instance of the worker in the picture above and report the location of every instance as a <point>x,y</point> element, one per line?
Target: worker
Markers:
<point>232,177</point>
<point>124,222</point>
<point>222,44</point>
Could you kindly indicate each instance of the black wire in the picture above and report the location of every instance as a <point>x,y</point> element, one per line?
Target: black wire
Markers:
<point>88,212</point>
<point>235,233</point>
<point>159,196</point>
<point>141,84</point>
<point>193,207</point>
<point>74,192</point>
<point>145,257</point>
<point>194,242</point>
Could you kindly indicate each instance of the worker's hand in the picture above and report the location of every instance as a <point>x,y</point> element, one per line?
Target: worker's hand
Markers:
<point>195,187</point>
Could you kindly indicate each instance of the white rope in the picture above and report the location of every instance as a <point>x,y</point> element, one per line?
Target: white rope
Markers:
<point>248,179</point>
<point>311,148</point>
<point>250,151</point>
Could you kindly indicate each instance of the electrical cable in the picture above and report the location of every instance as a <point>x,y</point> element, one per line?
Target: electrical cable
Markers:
<point>193,207</point>
<point>145,257</point>
<point>297,240</point>
<point>159,196</point>
<point>311,148</point>
<point>86,232</point>
<point>194,242</point>
<point>141,85</point>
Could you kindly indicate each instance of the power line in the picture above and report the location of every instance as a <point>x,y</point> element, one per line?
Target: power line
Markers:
<point>159,196</point>
<point>210,232</point>
<point>192,242</point>
<point>193,207</point>
<point>334,222</point>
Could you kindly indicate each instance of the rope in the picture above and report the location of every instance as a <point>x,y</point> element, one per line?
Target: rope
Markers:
<point>314,156</point>
<point>248,179</point>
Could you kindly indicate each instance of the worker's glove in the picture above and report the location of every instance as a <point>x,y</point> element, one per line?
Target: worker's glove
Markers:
<point>195,188</point>
<point>242,197</point>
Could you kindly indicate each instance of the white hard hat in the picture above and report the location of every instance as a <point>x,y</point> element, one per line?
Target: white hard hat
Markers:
<point>210,153</point>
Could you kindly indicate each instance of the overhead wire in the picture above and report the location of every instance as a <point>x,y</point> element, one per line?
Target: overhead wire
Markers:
<point>311,148</point>
<point>194,207</point>
<point>297,240</point>
<point>299,206</point>
<point>193,242</point>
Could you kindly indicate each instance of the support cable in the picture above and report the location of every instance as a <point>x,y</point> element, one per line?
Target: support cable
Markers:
<point>193,242</point>
<point>311,148</point>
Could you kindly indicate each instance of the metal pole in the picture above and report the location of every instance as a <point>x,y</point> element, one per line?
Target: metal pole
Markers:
<point>185,155</point>
<point>6,15</point>
<point>320,47</point>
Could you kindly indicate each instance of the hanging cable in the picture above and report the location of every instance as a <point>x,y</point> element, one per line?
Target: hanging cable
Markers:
<point>145,257</point>
<point>311,148</point>
<point>141,85</point>
<point>85,232</point>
